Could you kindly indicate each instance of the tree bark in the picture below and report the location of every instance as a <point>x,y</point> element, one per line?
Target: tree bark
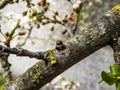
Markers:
<point>86,42</point>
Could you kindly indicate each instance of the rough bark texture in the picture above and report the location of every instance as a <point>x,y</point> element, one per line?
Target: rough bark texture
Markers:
<point>22,52</point>
<point>116,48</point>
<point>85,43</point>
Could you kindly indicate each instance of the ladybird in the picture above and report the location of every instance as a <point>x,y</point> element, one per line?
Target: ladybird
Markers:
<point>60,46</point>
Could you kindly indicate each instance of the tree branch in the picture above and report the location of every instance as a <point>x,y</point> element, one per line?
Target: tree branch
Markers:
<point>22,52</point>
<point>4,3</point>
<point>82,45</point>
<point>116,48</point>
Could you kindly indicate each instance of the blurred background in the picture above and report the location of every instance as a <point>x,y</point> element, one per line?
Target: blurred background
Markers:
<point>87,73</point>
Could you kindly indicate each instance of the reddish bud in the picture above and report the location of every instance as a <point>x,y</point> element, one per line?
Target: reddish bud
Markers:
<point>39,3</point>
<point>38,26</point>
<point>65,20</point>
<point>22,32</point>
<point>45,8</point>
<point>56,13</point>
<point>24,13</point>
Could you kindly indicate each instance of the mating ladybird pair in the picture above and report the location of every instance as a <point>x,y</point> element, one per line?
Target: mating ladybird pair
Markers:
<point>60,46</point>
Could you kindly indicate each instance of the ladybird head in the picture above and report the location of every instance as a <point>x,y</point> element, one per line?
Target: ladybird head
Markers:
<point>59,42</point>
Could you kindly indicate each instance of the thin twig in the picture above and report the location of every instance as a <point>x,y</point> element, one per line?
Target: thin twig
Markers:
<point>4,3</point>
<point>22,52</point>
<point>28,36</point>
<point>56,21</point>
<point>43,3</point>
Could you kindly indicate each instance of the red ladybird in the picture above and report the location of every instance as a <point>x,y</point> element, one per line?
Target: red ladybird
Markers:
<point>60,46</point>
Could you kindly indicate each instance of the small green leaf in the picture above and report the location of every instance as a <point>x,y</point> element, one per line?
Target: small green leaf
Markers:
<point>108,78</point>
<point>31,17</point>
<point>2,81</point>
<point>32,4</point>
<point>115,70</point>
<point>20,45</point>
<point>12,31</point>
<point>118,85</point>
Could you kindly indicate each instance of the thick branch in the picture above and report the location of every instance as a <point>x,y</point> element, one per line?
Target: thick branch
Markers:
<point>4,3</point>
<point>82,45</point>
<point>116,48</point>
<point>22,52</point>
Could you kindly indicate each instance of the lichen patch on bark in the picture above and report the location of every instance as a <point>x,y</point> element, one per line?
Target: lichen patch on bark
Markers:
<point>50,58</point>
<point>116,9</point>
